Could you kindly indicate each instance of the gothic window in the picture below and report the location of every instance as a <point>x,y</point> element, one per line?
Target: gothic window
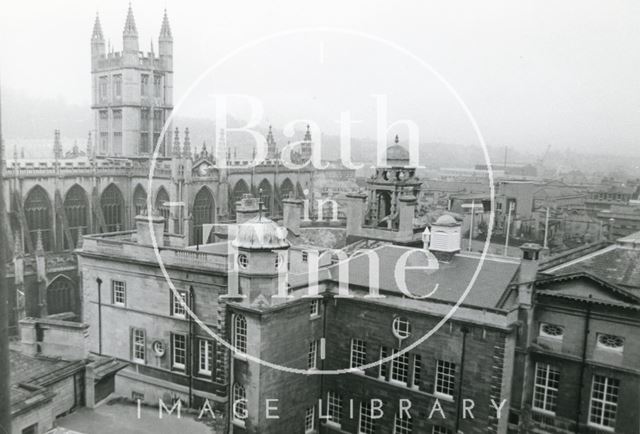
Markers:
<point>144,132</point>
<point>60,296</point>
<point>161,206</point>
<point>139,200</point>
<point>76,209</point>
<point>102,88</point>
<point>203,212</point>
<point>144,84</point>
<point>239,189</point>
<point>158,122</point>
<point>286,188</point>
<point>264,190</point>
<point>157,85</point>
<point>37,209</point>
<point>112,208</point>
<point>117,85</point>
<point>117,131</point>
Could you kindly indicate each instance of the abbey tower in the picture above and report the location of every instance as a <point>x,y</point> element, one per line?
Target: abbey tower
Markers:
<point>132,92</point>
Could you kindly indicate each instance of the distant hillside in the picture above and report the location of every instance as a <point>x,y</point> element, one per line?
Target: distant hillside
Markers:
<point>28,123</point>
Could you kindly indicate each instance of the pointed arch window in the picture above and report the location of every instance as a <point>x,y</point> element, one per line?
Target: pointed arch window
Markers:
<point>112,205</point>
<point>76,209</point>
<point>266,192</point>
<point>37,210</point>
<point>162,200</point>
<point>203,213</point>
<point>241,188</point>
<point>140,200</point>
<point>60,296</point>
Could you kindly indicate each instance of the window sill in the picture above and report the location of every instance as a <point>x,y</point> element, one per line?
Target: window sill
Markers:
<point>443,396</point>
<point>332,424</point>
<point>543,411</point>
<point>601,427</point>
<point>238,423</point>
<point>240,356</point>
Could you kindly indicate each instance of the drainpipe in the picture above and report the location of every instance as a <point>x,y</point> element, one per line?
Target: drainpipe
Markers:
<point>324,302</point>
<point>191,303</point>
<point>231,378</point>
<point>583,363</point>
<point>464,330</point>
<point>99,282</point>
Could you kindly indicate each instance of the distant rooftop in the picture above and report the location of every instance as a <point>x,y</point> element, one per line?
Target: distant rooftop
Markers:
<point>618,264</point>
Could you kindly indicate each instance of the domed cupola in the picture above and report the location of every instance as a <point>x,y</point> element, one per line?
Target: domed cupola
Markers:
<point>261,233</point>
<point>262,258</point>
<point>397,156</point>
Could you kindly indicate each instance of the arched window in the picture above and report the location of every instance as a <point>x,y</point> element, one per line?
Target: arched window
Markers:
<point>139,200</point>
<point>285,191</point>
<point>161,200</point>
<point>299,191</point>
<point>60,296</point>
<point>383,206</point>
<point>264,190</point>
<point>37,209</point>
<point>76,209</point>
<point>286,188</point>
<point>240,333</point>
<point>239,403</point>
<point>239,189</point>
<point>203,212</point>
<point>112,208</point>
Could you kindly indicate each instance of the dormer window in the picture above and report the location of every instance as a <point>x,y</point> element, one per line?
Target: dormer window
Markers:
<point>610,342</point>
<point>551,331</point>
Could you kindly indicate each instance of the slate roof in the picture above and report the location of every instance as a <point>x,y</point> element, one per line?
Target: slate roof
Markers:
<point>451,277</point>
<point>616,264</point>
<point>31,375</point>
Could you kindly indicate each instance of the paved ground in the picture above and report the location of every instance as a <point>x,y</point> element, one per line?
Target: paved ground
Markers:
<point>122,419</point>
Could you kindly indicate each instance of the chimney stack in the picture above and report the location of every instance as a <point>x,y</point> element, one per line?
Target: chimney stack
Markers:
<point>246,208</point>
<point>291,214</point>
<point>143,230</point>
<point>532,253</point>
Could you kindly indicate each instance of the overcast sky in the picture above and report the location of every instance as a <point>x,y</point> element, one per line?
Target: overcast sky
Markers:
<point>533,73</point>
